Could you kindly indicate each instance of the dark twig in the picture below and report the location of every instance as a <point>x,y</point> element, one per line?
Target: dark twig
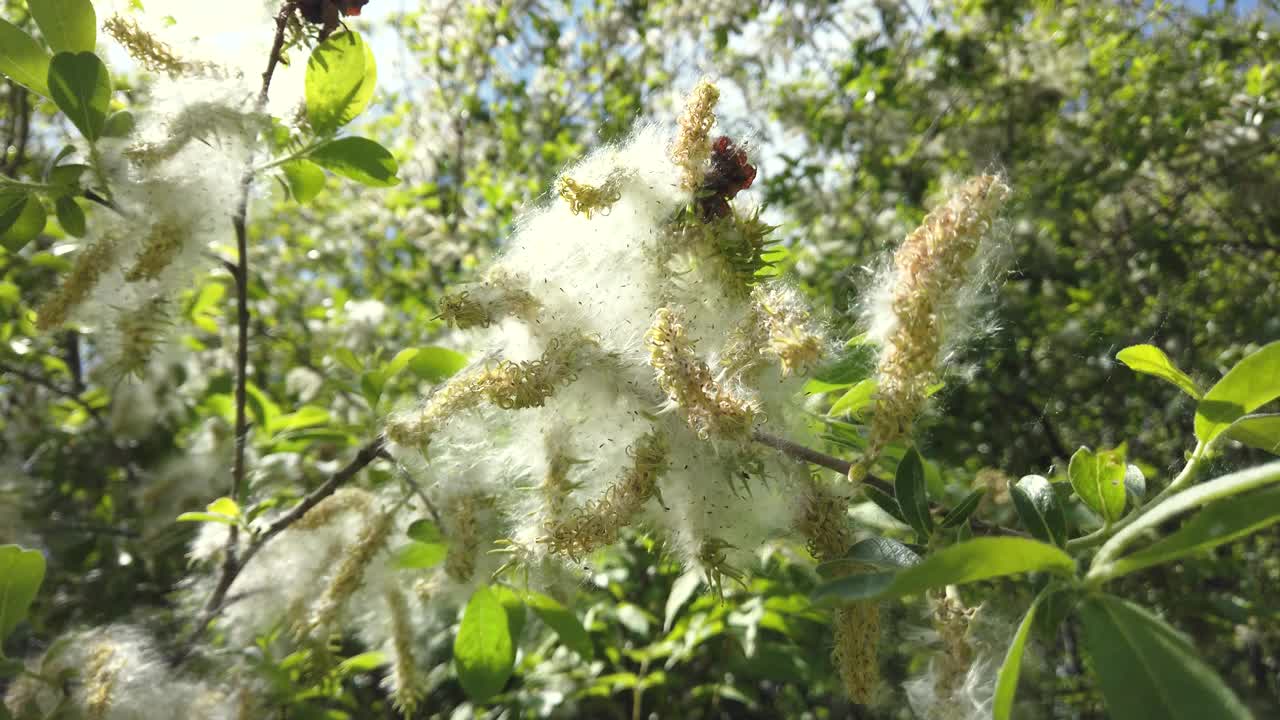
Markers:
<point>809,455</point>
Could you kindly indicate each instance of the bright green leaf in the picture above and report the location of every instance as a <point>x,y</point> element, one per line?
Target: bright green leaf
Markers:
<point>362,663</point>
<point>1261,431</point>
<point>564,622</point>
<point>359,159</point>
<point>305,179</point>
<point>67,25</point>
<point>341,75</point>
<point>966,562</point>
<point>29,223</point>
<point>1098,478</point>
<point>206,517</point>
<point>21,573</point>
<point>1218,523</point>
<point>483,653</point>
<point>913,498</point>
<point>81,87</point>
<point>425,531</point>
<point>855,400</point>
<point>1151,360</point>
<point>1252,383</point>
<point>224,506</point>
<point>437,363</point>
<point>513,605</point>
<point>23,60</point>
<point>70,216</point>
<point>1147,671</point>
<point>1007,679</point>
<point>306,416</point>
<point>420,556</point>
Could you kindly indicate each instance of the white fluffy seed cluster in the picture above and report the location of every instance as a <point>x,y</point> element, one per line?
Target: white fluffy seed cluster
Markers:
<point>620,307</point>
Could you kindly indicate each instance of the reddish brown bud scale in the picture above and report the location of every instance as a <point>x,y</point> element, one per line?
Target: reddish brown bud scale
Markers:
<point>730,173</point>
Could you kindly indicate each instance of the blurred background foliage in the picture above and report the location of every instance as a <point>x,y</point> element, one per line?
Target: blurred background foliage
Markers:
<point>1141,140</point>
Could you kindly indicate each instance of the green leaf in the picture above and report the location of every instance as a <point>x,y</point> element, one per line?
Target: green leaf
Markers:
<point>1151,360</point>
<point>224,506</point>
<point>883,552</point>
<point>961,512</point>
<point>513,604</point>
<point>681,590</point>
<point>437,363</point>
<point>1218,523</point>
<point>1039,509</point>
<point>23,60</point>
<point>119,124</point>
<point>26,226</point>
<point>305,179</point>
<point>420,555</point>
<point>307,416</point>
<point>1146,670</point>
<point>67,25</point>
<point>564,622</point>
<point>1261,431</point>
<point>970,561</point>
<point>1007,679</point>
<point>913,497</point>
<point>205,517</point>
<point>1253,382</point>
<point>1098,478</point>
<point>70,216</point>
<point>362,663</point>
<point>359,159</point>
<point>341,75</point>
<point>885,502</point>
<point>21,573</point>
<point>483,653</point>
<point>855,400</point>
<point>425,531</point>
<point>81,87</point>
<point>11,206</point>
<point>67,177</point>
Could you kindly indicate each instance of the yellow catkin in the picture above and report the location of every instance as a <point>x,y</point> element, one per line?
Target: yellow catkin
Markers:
<point>138,332</point>
<point>342,501</point>
<point>499,295</point>
<point>509,385</point>
<point>691,149</point>
<point>709,407</point>
<point>555,487</point>
<point>463,533</point>
<point>929,267</point>
<point>951,619</point>
<point>159,250</point>
<point>405,690</point>
<point>100,680</point>
<point>822,520</point>
<point>90,265</point>
<point>598,522</point>
<point>584,199</point>
<point>349,575</point>
<point>144,47</point>
<point>792,336</point>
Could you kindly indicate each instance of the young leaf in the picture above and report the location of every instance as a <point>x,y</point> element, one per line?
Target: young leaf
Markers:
<point>681,590</point>
<point>1218,523</point>
<point>913,498</point>
<point>1151,360</point>
<point>961,512</point>
<point>67,25</point>
<point>305,179</point>
<point>420,556</point>
<point>81,87</point>
<point>513,605</point>
<point>224,506</point>
<point>1007,679</point>
<point>21,572</point>
<point>119,124</point>
<point>1038,508</point>
<point>483,653</point>
<point>977,559</point>
<point>1099,481</point>
<point>1135,485</point>
<point>1252,383</point>
<point>205,517</point>
<point>437,363</point>
<point>359,159</point>
<point>1146,670</point>
<point>28,223</point>
<point>23,60</point>
<point>564,622</point>
<point>855,400</point>
<point>1261,431</point>
<point>341,74</point>
<point>70,216</point>
<point>425,531</point>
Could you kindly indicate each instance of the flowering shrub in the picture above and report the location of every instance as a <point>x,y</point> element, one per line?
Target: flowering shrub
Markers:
<point>638,365</point>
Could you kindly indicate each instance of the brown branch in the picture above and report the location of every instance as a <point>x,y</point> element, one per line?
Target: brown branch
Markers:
<point>232,567</point>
